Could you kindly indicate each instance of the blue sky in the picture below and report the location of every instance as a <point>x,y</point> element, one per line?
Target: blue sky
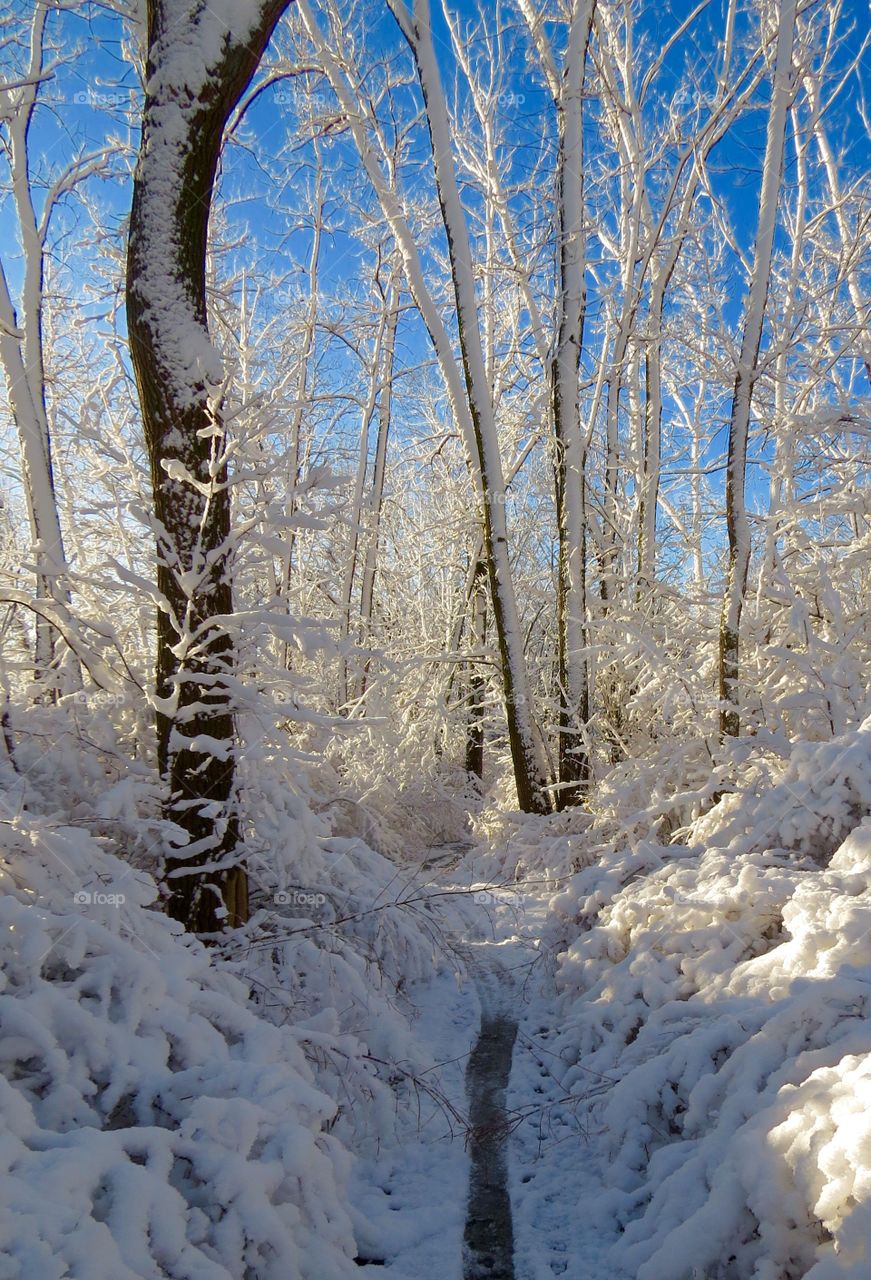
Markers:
<point>94,93</point>
<point>93,97</point>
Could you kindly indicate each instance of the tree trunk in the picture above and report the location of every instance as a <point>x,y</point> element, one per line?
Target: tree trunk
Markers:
<point>31,423</point>
<point>23,358</point>
<point>379,471</point>
<point>847,237</point>
<point>569,443</point>
<point>304,387</point>
<point>375,386</point>
<point>737,523</point>
<point>477,684</point>
<point>469,410</point>
<point>178,375</point>
<point>528,773</point>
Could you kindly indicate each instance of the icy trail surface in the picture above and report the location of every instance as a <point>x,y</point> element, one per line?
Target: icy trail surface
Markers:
<point>495,1178</point>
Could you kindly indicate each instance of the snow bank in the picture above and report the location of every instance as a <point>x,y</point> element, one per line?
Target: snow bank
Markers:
<point>716,1024</point>
<point>173,1112</point>
<point>153,1124</point>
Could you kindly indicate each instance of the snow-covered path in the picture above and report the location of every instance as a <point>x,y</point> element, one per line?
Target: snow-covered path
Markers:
<point>555,1162</point>
<point>422,1208</point>
<point>489,1238</point>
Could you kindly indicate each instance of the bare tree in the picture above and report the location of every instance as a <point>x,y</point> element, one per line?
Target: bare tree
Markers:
<point>374,505</point>
<point>416,27</point>
<point>569,442</point>
<point>737,523</point>
<point>22,353</point>
<point>466,381</point>
<point>380,372</point>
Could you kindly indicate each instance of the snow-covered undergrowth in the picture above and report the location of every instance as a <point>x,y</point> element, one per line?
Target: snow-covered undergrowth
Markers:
<point>154,1124</point>
<point>375,782</point>
<point>170,1111</point>
<point>716,1024</point>
<point>514,848</point>
<point>638,798</point>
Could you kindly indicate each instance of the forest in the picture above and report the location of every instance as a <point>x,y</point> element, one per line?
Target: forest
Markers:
<point>435,552</point>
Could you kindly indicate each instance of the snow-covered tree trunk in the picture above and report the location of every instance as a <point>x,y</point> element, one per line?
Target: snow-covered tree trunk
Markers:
<point>737,523</point>
<point>663,270</point>
<point>32,425</point>
<point>847,237</point>
<point>304,380</point>
<point>569,443</point>
<point>652,445</point>
<point>781,477</point>
<point>616,66</point>
<point>528,773</point>
<point>199,62</point>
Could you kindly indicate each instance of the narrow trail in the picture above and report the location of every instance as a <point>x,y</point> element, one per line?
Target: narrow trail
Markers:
<point>488,1240</point>
<point>489,1234</point>
<point>489,1184</point>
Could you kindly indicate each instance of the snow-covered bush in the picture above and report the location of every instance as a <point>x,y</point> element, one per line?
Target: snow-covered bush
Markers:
<point>154,1124</point>
<point>511,845</point>
<point>717,1023</point>
<point>338,938</point>
<point>171,1112</point>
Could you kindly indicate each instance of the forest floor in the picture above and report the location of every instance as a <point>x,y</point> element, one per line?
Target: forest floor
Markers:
<point>493,1181</point>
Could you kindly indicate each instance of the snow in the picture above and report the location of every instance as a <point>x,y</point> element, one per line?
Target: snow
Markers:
<point>408,1202</point>
<point>719,991</point>
<point>154,1125</point>
<point>690,1079</point>
<point>173,1112</point>
<point>686,960</point>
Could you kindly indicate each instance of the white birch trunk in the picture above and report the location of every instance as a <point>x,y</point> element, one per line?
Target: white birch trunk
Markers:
<point>303,389</point>
<point>376,383</point>
<point>379,471</point>
<point>663,272</point>
<point>783,452</point>
<point>854,285</point>
<point>22,357</point>
<point>464,394</point>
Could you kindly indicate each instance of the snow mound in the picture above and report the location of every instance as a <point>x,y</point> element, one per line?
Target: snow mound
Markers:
<point>154,1125</point>
<point>717,1026</point>
<point>339,933</point>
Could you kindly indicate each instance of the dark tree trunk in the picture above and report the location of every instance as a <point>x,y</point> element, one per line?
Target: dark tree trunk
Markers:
<point>477,684</point>
<point>182,132</point>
